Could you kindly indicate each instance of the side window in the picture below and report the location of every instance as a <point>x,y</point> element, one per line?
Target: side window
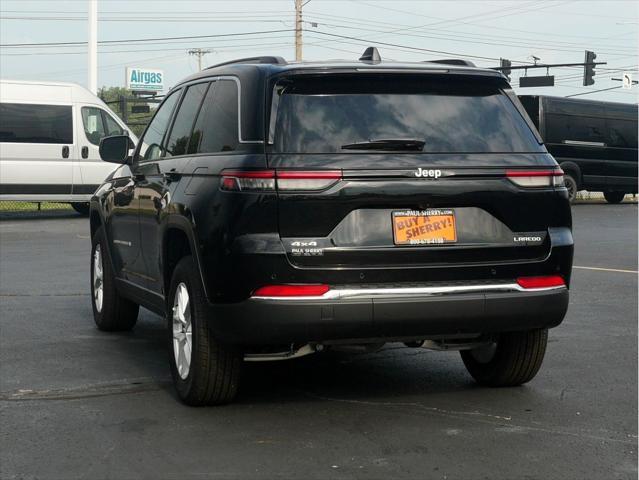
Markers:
<point>178,143</point>
<point>111,127</point>
<point>27,123</point>
<point>151,144</point>
<point>216,128</point>
<point>93,124</point>
<point>623,133</point>
<point>561,128</point>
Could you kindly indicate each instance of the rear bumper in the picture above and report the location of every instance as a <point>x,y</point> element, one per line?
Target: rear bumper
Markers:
<point>389,313</point>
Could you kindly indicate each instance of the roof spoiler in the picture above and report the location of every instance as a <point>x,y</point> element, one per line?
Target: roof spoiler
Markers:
<point>274,60</point>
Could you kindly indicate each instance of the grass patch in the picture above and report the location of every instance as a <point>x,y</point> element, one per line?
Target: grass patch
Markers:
<point>12,206</point>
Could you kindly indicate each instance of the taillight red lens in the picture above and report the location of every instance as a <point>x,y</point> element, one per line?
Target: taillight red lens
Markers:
<point>536,178</point>
<point>247,180</point>
<point>307,180</point>
<point>291,180</point>
<point>291,291</point>
<point>546,281</point>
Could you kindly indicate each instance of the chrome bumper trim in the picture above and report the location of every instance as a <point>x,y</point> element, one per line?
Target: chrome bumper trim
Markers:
<point>348,293</point>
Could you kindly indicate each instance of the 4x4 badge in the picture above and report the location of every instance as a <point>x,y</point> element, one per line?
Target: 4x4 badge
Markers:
<point>423,173</point>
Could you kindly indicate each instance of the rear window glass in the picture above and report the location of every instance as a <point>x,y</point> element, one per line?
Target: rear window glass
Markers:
<point>449,116</point>
<point>216,128</point>
<point>26,123</point>
<point>178,143</point>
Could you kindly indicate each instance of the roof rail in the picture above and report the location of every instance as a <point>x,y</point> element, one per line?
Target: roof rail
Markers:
<point>267,59</point>
<point>453,61</point>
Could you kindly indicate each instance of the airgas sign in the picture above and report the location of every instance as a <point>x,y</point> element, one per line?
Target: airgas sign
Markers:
<point>144,79</point>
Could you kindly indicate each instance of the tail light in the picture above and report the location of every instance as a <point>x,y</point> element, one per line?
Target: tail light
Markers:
<point>286,180</point>
<point>546,281</point>
<point>305,180</point>
<point>247,180</point>
<point>291,291</point>
<point>537,178</point>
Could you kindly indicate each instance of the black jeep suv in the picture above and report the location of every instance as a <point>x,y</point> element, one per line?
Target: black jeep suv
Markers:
<point>274,209</point>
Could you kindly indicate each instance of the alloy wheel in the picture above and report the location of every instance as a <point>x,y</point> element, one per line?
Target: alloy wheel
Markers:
<point>98,279</point>
<point>182,330</point>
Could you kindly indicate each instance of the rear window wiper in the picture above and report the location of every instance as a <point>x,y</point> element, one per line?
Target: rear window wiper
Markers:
<point>398,144</point>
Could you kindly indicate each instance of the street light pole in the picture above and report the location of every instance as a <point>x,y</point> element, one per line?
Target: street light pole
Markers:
<point>93,46</point>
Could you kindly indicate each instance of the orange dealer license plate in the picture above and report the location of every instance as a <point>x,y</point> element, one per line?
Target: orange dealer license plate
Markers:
<point>424,227</point>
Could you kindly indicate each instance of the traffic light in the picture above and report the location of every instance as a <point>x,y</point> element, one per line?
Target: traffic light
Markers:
<point>589,70</point>
<point>505,67</point>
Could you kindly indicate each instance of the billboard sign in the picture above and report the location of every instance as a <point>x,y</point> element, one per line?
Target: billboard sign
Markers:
<point>144,79</point>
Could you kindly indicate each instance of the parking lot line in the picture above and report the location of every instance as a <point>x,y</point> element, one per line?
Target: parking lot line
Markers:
<point>606,269</point>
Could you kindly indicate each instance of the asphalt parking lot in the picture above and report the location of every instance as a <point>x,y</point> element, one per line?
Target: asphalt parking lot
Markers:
<point>79,403</point>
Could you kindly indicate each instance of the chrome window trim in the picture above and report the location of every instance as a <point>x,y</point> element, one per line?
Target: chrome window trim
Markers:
<point>584,144</point>
<point>349,293</point>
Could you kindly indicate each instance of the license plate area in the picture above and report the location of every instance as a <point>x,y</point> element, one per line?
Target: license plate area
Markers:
<point>424,227</point>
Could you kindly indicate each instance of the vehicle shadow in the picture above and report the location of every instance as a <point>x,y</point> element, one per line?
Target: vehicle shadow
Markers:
<point>394,371</point>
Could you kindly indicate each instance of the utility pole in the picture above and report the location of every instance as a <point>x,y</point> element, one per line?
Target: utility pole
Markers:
<point>199,53</point>
<point>93,46</point>
<point>298,30</point>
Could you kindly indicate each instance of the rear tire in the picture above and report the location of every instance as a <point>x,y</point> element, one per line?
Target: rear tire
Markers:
<point>81,208</point>
<point>111,311</point>
<point>614,197</point>
<point>204,371</point>
<point>512,360</point>
<point>571,185</point>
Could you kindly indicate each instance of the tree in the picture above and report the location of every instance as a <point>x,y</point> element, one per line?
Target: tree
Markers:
<point>135,121</point>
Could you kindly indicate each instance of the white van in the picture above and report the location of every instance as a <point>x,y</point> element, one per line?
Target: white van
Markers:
<point>49,138</point>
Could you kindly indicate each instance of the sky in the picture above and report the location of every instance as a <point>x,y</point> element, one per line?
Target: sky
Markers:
<point>481,31</point>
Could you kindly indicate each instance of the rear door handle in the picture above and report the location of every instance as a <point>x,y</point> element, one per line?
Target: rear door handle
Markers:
<point>85,152</point>
<point>65,151</point>
<point>171,176</point>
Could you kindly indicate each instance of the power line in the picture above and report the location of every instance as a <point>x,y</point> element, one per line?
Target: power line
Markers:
<point>442,21</point>
<point>347,37</point>
<point>321,19</point>
<point>199,53</point>
<point>593,91</point>
<point>513,11</point>
<point>457,38</point>
<point>144,12</point>
<point>140,40</point>
<point>484,26</point>
<point>235,18</point>
<point>217,46</point>
<point>438,23</point>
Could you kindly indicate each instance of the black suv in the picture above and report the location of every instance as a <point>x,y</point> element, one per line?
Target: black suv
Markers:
<point>273,210</point>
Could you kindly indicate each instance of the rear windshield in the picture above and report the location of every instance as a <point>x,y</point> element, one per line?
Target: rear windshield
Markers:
<point>319,115</point>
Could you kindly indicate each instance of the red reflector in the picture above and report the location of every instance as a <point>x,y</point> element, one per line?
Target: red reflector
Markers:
<point>541,282</point>
<point>534,173</point>
<point>291,291</point>
<point>229,183</point>
<point>308,175</point>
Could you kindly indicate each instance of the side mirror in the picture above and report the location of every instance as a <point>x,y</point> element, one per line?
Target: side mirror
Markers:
<point>115,149</point>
